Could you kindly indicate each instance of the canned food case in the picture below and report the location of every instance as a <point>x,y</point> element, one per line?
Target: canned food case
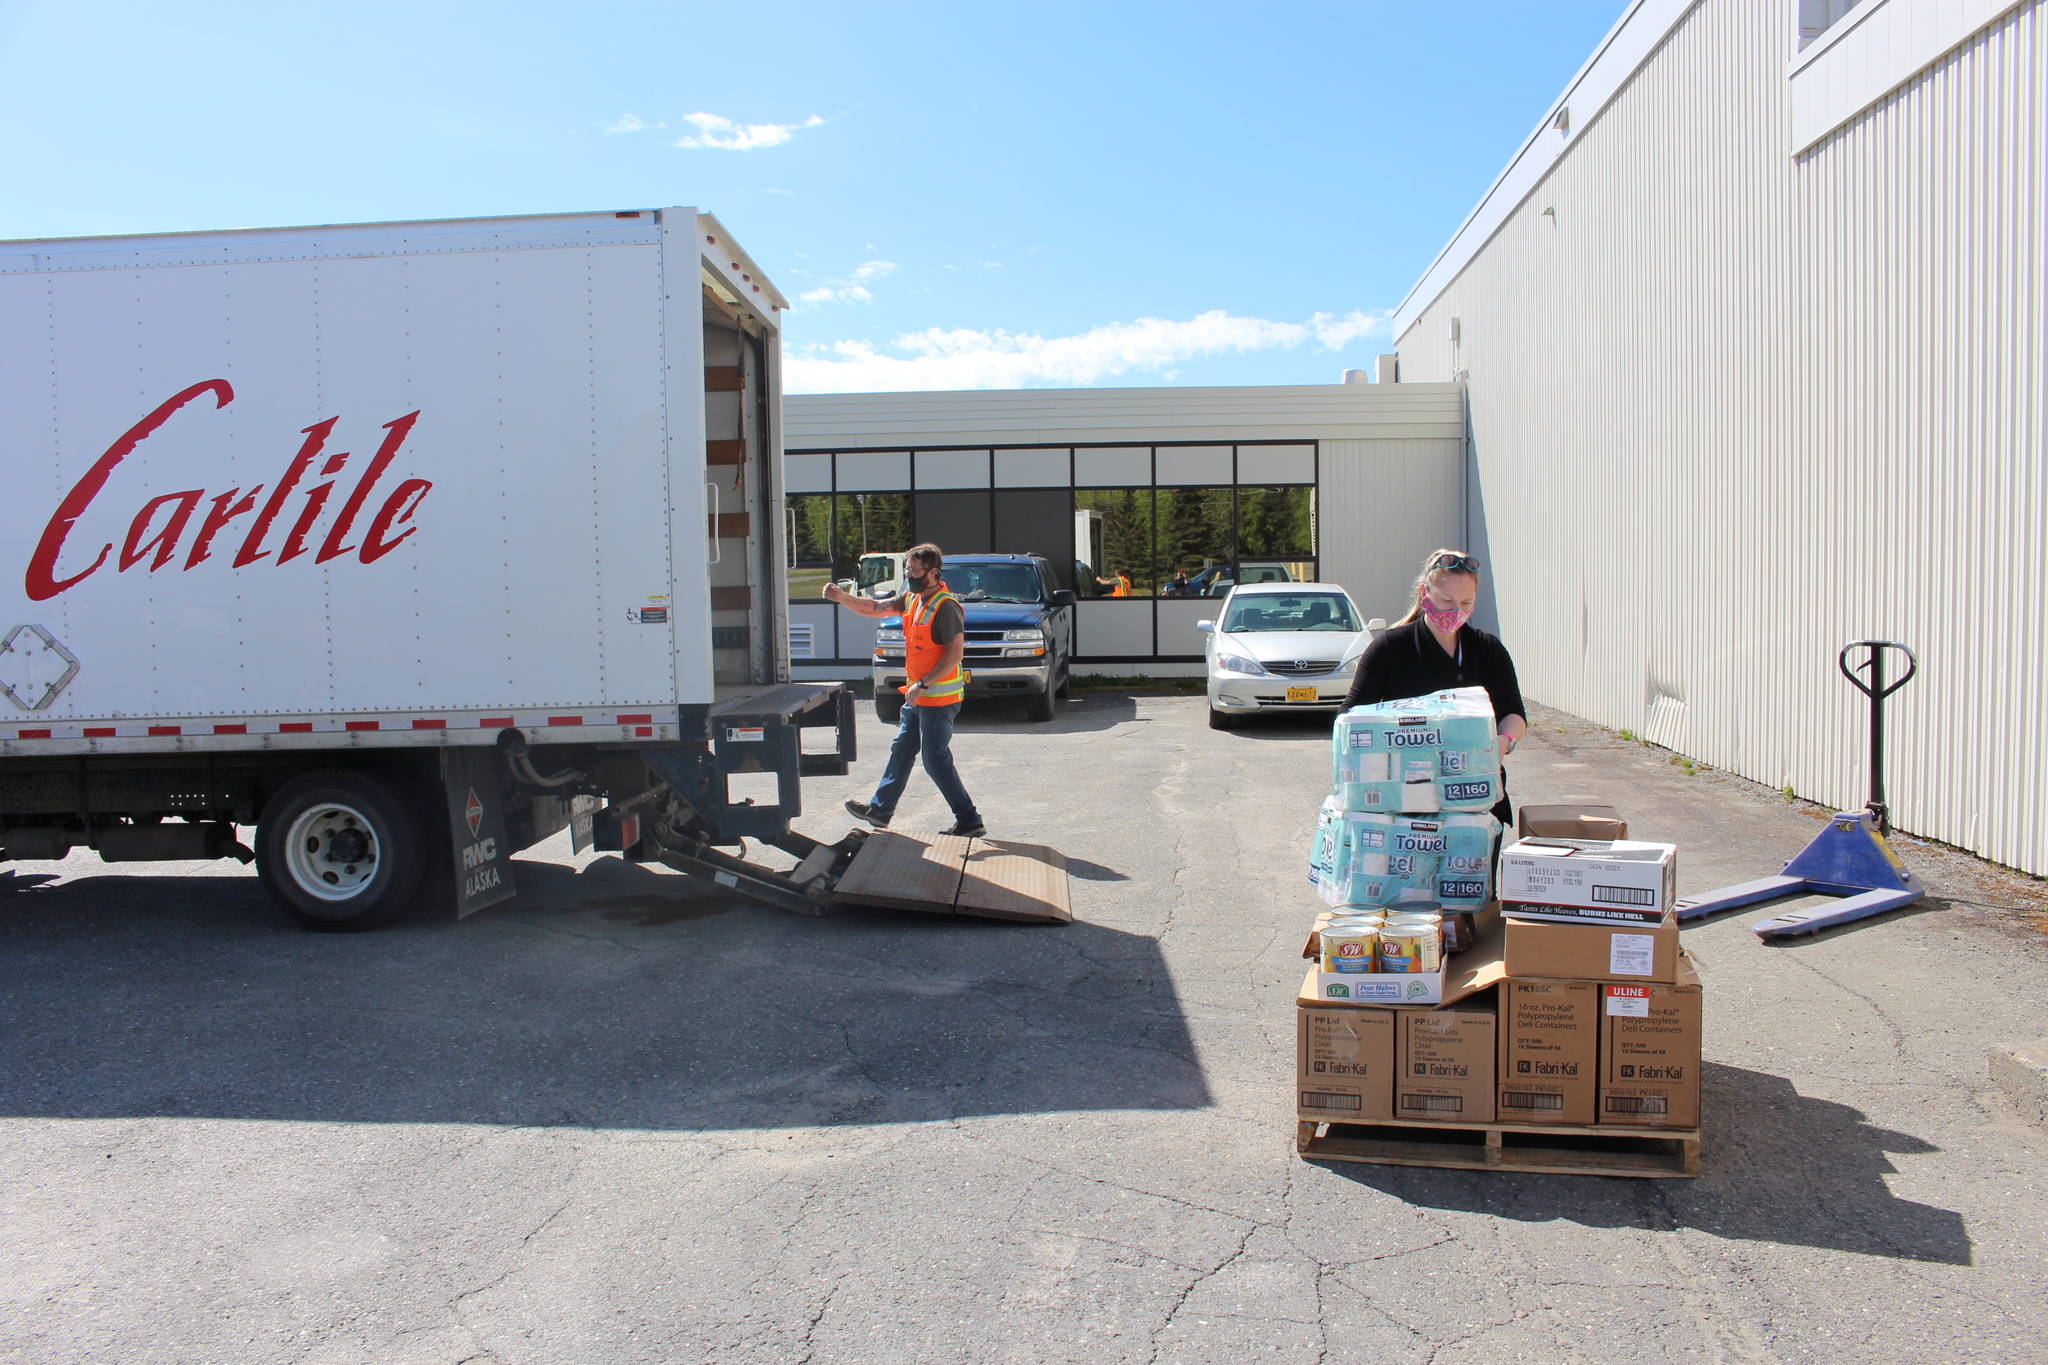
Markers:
<point>1461,975</point>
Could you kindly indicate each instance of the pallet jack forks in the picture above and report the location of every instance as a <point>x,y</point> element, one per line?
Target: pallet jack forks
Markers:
<point>1852,858</point>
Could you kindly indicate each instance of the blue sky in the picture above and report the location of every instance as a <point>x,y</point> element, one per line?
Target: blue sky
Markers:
<point>955,195</point>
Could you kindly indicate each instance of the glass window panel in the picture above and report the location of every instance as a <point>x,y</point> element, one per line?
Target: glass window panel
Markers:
<point>1195,540</point>
<point>1276,523</point>
<point>1113,526</point>
<point>1194,465</point>
<point>810,544</point>
<point>868,523</point>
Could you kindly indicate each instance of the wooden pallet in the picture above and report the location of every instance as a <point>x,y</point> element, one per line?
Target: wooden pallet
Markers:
<point>944,874</point>
<point>1559,1150</point>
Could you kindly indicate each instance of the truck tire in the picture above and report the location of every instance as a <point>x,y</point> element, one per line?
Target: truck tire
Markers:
<point>889,707</point>
<point>340,850</point>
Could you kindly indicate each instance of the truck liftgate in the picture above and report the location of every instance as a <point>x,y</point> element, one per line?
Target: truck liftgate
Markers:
<point>689,822</point>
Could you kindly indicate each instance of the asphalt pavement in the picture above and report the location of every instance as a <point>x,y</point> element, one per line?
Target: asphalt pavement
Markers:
<point>624,1120</point>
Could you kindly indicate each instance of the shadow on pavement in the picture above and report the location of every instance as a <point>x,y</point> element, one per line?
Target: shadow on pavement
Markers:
<point>1286,726</point>
<point>1776,1166</point>
<point>1080,714</point>
<point>600,998</point>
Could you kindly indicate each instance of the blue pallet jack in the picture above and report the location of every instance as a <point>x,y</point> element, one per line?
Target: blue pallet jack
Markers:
<point>1851,858</point>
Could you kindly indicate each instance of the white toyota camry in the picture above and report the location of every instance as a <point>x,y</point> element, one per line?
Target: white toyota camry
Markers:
<point>1283,647</point>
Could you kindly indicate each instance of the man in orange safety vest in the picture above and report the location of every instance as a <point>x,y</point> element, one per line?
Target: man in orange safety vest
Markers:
<point>934,641</point>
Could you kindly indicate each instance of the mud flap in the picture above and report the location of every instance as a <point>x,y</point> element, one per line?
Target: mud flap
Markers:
<point>476,827</point>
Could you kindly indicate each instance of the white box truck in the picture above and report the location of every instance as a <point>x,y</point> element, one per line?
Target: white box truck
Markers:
<point>407,544</point>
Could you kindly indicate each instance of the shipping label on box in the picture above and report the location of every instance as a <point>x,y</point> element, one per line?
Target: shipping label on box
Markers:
<point>1549,1049</point>
<point>1634,879</point>
<point>1449,1065</point>
<point>1344,1064</point>
<point>1592,952</point>
<point>1650,1053</point>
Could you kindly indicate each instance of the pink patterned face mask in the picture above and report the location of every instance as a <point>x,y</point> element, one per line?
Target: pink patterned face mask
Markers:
<point>1445,620</point>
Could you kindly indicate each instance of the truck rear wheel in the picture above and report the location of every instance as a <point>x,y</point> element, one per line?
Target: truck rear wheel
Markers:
<point>340,850</point>
<point>889,706</point>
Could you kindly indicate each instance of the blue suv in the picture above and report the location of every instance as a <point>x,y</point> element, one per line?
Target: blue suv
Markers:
<point>1020,625</point>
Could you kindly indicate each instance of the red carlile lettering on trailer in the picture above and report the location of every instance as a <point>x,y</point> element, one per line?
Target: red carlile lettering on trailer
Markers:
<point>226,507</point>
<point>165,542</point>
<point>316,437</point>
<point>157,532</point>
<point>42,581</point>
<point>397,508</point>
<point>395,432</point>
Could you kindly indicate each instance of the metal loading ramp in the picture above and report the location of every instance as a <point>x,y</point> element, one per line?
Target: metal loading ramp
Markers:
<point>945,874</point>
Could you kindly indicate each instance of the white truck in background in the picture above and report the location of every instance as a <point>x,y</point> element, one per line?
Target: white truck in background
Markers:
<point>407,544</point>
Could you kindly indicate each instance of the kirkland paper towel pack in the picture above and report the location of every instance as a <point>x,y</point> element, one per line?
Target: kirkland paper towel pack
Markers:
<point>1419,754</point>
<point>1389,859</point>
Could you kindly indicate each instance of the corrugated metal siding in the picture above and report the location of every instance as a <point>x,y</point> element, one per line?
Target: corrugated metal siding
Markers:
<point>880,421</point>
<point>1374,543</point>
<point>1732,409</point>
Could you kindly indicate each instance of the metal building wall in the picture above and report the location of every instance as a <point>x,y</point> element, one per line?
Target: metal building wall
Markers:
<point>1731,408</point>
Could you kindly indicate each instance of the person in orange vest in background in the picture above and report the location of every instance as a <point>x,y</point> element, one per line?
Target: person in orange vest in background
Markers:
<point>1122,580</point>
<point>934,640</point>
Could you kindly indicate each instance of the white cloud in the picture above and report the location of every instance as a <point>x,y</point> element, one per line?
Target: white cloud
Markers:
<point>771,189</point>
<point>728,136</point>
<point>852,288</point>
<point>963,358</point>
<point>852,293</point>
<point>632,123</point>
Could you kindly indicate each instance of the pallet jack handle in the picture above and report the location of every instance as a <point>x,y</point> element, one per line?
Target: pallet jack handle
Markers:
<point>1877,690</point>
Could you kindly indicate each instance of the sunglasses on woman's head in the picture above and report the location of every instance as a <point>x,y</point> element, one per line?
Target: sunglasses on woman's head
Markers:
<point>1456,564</point>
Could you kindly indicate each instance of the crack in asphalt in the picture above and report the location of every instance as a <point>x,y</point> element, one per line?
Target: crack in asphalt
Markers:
<point>1180,1300</point>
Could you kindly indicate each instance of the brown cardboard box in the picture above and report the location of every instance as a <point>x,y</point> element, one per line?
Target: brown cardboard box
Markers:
<point>1570,822</point>
<point>1650,1053</point>
<point>1592,952</point>
<point>1344,1063</point>
<point>1549,1050</point>
<point>1449,1066</point>
<point>1595,881</point>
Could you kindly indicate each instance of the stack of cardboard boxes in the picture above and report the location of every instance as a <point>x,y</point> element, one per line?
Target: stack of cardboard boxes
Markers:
<point>1576,1007</point>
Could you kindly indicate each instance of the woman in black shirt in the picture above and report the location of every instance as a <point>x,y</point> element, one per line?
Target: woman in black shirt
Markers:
<point>1433,648</point>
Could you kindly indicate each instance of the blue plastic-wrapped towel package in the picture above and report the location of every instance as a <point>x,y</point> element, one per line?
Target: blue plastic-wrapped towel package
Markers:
<point>1323,850</point>
<point>1418,755</point>
<point>1399,859</point>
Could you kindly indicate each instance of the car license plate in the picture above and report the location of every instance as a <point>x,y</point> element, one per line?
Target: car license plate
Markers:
<point>1301,694</point>
<point>966,676</point>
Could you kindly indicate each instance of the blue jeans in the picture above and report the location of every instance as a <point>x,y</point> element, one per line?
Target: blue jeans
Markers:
<point>928,729</point>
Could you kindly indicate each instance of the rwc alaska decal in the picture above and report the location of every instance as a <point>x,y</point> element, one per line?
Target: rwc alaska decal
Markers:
<point>476,827</point>
<point>157,532</point>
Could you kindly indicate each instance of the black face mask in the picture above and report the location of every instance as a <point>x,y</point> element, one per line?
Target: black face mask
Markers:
<point>918,581</point>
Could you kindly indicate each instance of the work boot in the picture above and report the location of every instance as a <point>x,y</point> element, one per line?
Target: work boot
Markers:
<point>966,829</point>
<point>861,810</point>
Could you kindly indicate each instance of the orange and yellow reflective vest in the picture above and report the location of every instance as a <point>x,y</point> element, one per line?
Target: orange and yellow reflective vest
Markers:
<point>922,654</point>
